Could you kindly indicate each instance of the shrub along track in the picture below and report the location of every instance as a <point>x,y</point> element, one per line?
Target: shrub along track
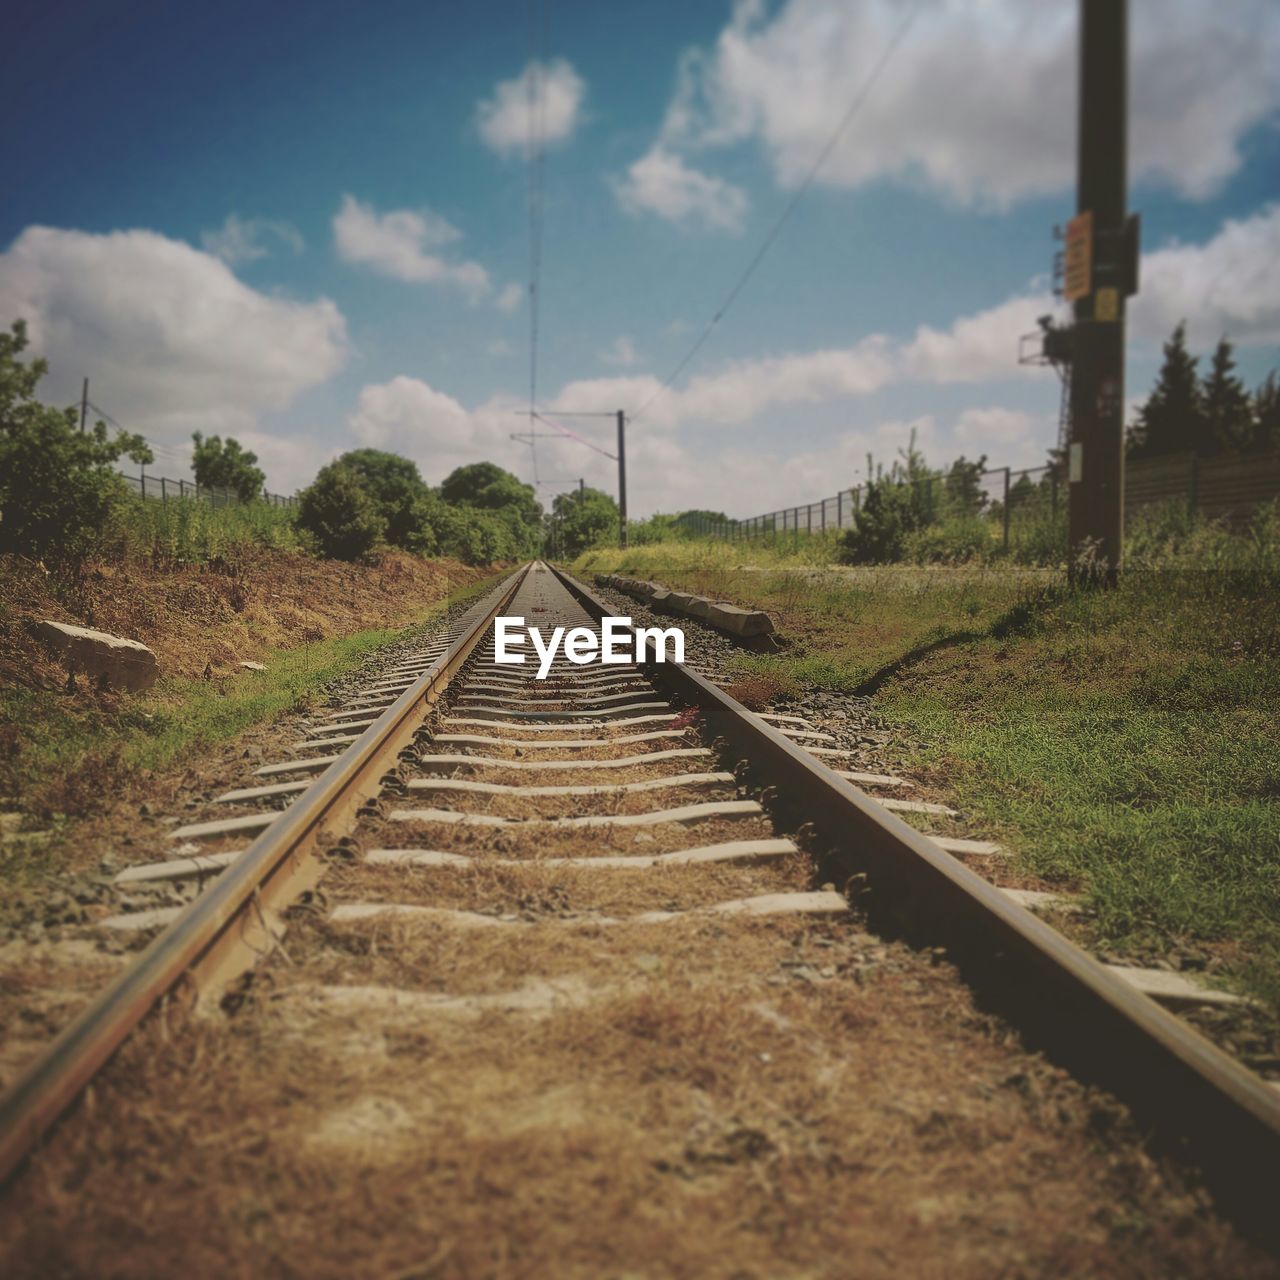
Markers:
<point>557,995</point>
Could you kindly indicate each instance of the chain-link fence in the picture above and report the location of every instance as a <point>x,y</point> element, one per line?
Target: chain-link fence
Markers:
<point>162,489</point>
<point>1028,505</point>
<point>1003,497</point>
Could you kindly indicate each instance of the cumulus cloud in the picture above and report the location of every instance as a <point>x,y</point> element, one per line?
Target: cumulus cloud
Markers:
<point>505,119</point>
<point>978,347</point>
<point>399,244</point>
<point>621,352</point>
<point>1230,284</point>
<point>171,341</point>
<point>510,298</point>
<point>979,102</point>
<point>244,239</point>
<point>410,417</point>
<point>662,182</point>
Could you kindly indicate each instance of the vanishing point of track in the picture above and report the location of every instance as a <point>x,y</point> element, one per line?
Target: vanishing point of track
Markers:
<point>639,748</point>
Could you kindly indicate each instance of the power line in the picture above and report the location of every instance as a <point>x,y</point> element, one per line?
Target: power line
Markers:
<point>767,243</point>
<point>536,157</point>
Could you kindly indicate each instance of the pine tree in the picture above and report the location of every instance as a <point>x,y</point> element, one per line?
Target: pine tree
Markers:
<point>1228,413</point>
<point>1266,415</point>
<point>1172,420</point>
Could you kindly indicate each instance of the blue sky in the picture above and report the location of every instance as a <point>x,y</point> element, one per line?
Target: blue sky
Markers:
<point>307,225</point>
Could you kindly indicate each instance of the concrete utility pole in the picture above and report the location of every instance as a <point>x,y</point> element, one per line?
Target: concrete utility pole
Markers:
<point>622,479</point>
<point>1101,269</point>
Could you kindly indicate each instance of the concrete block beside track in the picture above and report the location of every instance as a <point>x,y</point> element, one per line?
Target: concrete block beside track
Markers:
<point>123,664</point>
<point>745,623</point>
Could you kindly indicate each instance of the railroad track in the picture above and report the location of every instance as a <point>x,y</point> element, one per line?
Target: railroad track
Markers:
<point>469,800</point>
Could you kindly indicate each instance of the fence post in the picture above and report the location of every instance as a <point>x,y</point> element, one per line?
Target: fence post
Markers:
<point>1193,487</point>
<point>1006,510</point>
<point>164,491</point>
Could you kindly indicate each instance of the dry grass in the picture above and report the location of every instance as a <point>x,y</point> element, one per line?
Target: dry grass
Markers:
<point>770,1102</point>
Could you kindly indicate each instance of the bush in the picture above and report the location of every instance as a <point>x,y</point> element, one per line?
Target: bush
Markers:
<point>890,511</point>
<point>340,513</point>
<point>58,488</point>
<point>950,541</point>
<point>225,465</point>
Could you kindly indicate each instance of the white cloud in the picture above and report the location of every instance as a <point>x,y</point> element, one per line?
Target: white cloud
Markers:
<point>409,417</point>
<point>171,341</point>
<point>1230,284</point>
<point>621,352</point>
<point>661,182</point>
<point>241,239</point>
<point>396,244</point>
<point>498,347</point>
<point>978,347</point>
<point>504,119</point>
<point>979,101</point>
<point>510,297</point>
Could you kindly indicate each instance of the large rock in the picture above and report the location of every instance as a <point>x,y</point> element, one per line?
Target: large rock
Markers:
<point>679,601</point>
<point>126,664</point>
<point>698,608</point>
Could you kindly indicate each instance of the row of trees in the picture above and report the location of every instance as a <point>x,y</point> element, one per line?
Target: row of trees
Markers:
<point>1207,415</point>
<point>367,498</point>
<point>61,495</point>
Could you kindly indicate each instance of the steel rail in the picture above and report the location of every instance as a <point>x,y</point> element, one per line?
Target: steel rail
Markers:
<point>225,929</point>
<point>1196,1100</point>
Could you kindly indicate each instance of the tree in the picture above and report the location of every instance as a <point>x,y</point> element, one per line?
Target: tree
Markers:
<point>404,501</point>
<point>225,465</point>
<point>58,487</point>
<point>962,486</point>
<point>585,518</point>
<point>1227,411</point>
<point>1173,419</point>
<point>1266,415</point>
<point>488,487</point>
<point>894,505</point>
<point>338,510</point>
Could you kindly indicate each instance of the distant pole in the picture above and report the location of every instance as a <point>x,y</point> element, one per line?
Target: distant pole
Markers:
<point>582,489</point>
<point>1095,525</point>
<point>84,404</point>
<point>1006,510</point>
<point>622,479</point>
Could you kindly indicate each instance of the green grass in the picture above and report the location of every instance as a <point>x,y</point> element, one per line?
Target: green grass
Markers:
<point>197,531</point>
<point>1123,743</point>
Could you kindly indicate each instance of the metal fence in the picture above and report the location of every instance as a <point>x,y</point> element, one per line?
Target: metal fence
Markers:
<point>1227,488</point>
<point>1000,493</point>
<point>162,489</point>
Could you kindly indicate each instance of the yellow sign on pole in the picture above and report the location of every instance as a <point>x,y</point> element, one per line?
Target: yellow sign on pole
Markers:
<point>1106,304</point>
<point>1077,272</point>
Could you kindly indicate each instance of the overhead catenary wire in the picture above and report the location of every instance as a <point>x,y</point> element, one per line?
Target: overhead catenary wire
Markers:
<point>539,20</point>
<point>766,244</point>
